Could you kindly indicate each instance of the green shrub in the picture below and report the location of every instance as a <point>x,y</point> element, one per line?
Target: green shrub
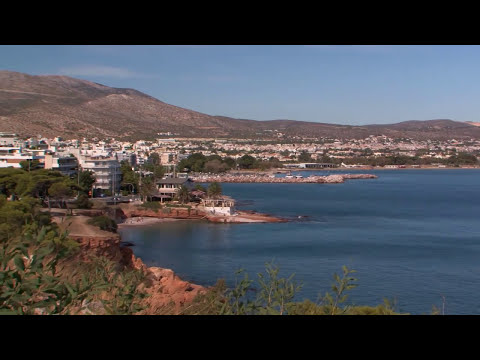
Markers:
<point>83,202</point>
<point>274,296</point>
<point>104,223</point>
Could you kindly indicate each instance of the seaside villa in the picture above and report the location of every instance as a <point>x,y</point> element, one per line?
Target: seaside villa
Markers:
<point>168,188</point>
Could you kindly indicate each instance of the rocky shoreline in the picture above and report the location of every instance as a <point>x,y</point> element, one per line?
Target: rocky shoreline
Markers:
<point>167,292</point>
<point>132,215</point>
<point>263,178</point>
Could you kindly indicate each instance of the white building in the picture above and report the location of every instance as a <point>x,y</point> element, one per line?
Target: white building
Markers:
<point>13,156</point>
<point>8,139</point>
<point>105,167</point>
<point>223,206</point>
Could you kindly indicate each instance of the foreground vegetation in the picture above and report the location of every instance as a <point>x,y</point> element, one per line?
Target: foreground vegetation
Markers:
<point>275,296</point>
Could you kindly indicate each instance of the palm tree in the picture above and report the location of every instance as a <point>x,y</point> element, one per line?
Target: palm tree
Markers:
<point>214,190</point>
<point>183,194</point>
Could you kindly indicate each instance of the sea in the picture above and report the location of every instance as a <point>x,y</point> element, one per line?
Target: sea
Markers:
<point>411,235</point>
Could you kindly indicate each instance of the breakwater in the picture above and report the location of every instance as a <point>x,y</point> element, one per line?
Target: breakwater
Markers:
<point>263,178</point>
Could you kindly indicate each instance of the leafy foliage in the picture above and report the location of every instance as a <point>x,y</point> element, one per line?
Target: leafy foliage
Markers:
<point>129,178</point>
<point>214,190</point>
<point>275,296</point>
<point>36,276</point>
<point>104,223</point>
<point>86,180</point>
<point>183,194</point>
<point>83,202</point>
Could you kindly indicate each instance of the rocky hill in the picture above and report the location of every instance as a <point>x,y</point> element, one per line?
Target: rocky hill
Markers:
<point>72,108</point>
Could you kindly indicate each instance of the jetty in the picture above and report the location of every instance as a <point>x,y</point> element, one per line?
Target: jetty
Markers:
<point>266,178</point>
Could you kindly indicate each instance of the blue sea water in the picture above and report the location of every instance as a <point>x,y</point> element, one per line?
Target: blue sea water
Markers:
<point>411,235</point>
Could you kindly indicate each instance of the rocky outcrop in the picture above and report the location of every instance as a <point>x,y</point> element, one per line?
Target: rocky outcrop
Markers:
<point>108,247</point>
<point>167,292</point>
<point>131,211</point>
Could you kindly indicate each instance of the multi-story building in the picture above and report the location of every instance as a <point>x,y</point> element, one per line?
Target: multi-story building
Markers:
<point>104,165</point>
<point>8,139</point>
<point>13,156</point>
<point>106,170</point>
<point>67,165</point>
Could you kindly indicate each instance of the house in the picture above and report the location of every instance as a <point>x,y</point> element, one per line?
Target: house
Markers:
<point>168,187</point>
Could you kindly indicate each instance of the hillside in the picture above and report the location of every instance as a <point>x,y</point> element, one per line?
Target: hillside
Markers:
<point>72,108</point>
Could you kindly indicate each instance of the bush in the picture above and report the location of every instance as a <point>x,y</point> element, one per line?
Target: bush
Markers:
<point>83,202</point>
<point>104,223</point>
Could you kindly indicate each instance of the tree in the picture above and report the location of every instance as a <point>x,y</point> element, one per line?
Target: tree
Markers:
<point>200,187</point>
<point>60,191</point>
<point>148,188</point>
<point>215,166</point>
<point>30,165</point>
<point>158,172</point>
<point>305,157</point>
<point>129,177</point>
<point>214,190</point>
<point>230,162</point>
<point>183,195</point>
<point>83,202</point>
<point>86,180</point>
<point>246,162</point>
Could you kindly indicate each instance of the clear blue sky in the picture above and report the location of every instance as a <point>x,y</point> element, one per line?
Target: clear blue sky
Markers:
<point>322,83</point>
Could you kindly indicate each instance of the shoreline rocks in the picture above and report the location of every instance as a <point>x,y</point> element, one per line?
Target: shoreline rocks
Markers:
<point>267,179</point>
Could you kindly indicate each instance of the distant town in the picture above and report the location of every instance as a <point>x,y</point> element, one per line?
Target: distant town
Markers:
<point>182,156</point>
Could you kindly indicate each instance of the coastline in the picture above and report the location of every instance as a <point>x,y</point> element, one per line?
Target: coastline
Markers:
<point>133,215</point>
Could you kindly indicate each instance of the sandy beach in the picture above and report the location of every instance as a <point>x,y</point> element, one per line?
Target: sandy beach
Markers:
<point>140,221</point>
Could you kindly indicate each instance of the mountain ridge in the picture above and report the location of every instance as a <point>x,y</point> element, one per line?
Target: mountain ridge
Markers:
<point>58,105</point>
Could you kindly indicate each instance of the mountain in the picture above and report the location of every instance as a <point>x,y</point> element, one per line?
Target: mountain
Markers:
<point>73,108</point>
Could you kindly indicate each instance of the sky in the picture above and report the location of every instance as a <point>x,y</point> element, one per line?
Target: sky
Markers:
<point>342,84</point>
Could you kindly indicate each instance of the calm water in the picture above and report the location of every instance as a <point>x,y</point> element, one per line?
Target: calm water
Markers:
<point>412,235</point>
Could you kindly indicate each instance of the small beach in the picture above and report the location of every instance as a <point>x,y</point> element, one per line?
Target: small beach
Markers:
<point>140,221</point>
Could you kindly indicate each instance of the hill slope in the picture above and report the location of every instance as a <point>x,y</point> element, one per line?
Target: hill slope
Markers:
<point>72,108</point>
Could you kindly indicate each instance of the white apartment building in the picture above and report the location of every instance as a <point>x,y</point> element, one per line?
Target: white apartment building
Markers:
<point>106,170</point>
<point>8,139</point>
<point>13,156</point>
<point>105,167</point>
